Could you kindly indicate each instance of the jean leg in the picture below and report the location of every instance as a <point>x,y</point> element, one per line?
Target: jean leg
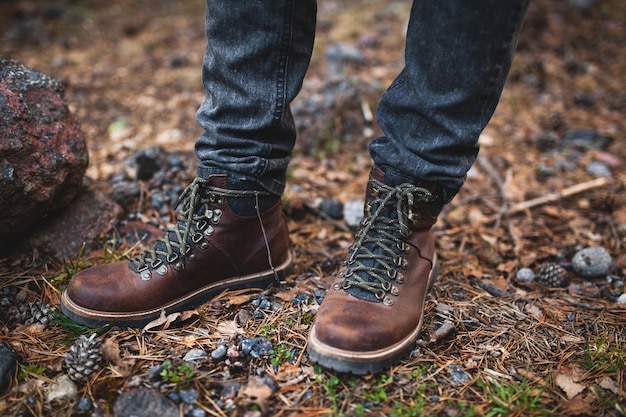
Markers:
<point>257,54</point>
<point>458,55</point>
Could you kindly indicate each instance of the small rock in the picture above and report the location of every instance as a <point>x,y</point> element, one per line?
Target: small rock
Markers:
<point>591,262</point>
<point>353,212</point>
<point>8,363</point>
<point>574,289</point>
<point>85,404</point>
<point>257,347</point>
<point>621,299</point>
<point>525,274</point>
<point>196,412</point>
<point>194,355</point>
<point>458,374</point>
<point>586,139</point>
<point>144,402</point>
<point>219,353</point>
<point>598,169</point>
<point>148,161</point>
<point>332,208</point>
<point>189,396</point>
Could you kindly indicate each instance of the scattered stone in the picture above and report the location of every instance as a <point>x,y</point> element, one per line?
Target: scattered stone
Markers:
<point>144,402</point>
<point>598,169</point>
<point>585,139</point>
<point>256,347</point>
<point>189,396</point>
<point>8,363</point>
<point>195,412</point>
<point>148,161</point>
<point>592,262</point>
<point>353,212</point>
<point>43,155</point>
<point>63,389</point>
<point>621,299</point>
<point>332,208</point>
<point>230,390</point>
<point>458,374</point>
<point>339,55</point>
<point>194,355</point>
<point>525,274</point>
<point>85,404</point>
<point>219,353</point>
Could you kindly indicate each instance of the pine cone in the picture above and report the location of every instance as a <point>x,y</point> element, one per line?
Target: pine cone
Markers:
<point>84,358</point>
<point>32,312</point>
<point>552,275</point>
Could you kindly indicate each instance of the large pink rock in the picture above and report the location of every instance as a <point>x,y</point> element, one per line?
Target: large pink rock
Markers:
<point>43,155</point>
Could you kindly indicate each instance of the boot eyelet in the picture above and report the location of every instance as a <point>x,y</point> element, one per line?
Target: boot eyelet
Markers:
<point>177,266</point>
<point>337,287</point>
<point>380,295</point>
<point>400,278</point>
<point>196,237</point>
<point>388,301</point>
<point>394,290</point>
<point>208,213</point>
<point>209,231</point>
<point>162,270</point>
<point>145,275</point>
<point>204,245</point>
<point>375,192</point>
<point>392,273</point>
<point>192,257</point>
<point>156,264</point>
<point>172,258</point>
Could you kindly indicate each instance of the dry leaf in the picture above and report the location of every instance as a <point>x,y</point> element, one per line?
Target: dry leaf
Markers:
<point>254,394</point>
<point>229,328</point>
<point>534,311</point>
<point>576,407</point>
<point>237,300</point>
<point>569,385</point>
<point>163,321</point>
<point>609,384</point>
<point>111,353</point>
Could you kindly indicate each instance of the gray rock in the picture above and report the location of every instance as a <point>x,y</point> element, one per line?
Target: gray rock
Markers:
<point>43,155</point>
<point>353,212</point>
<point>8,363</point>
<point>598,169</point>
<point>591,262</point>
<point>525,274</point>
<point>144,402</point>
<point>194,355</point>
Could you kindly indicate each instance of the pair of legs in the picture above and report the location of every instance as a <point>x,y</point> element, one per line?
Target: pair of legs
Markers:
<point>231,234</point>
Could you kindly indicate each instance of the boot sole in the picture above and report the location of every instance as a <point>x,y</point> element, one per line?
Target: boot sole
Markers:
<point>95,318</point>
<point>370,362</point>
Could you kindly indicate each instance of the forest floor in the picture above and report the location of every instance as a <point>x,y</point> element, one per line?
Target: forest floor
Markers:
<point>492,343</point>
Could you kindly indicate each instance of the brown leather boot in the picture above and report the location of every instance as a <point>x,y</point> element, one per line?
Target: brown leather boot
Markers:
<point>210,249</point>
<point>373,311</point>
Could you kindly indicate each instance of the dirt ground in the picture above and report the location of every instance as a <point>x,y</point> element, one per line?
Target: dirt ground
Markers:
<point>492,344</point>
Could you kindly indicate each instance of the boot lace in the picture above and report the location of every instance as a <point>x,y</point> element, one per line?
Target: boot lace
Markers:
<point>376,258</point>
<point>197,218</point>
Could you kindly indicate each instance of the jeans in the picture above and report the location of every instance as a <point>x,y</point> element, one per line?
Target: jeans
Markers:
<point>457,56</point>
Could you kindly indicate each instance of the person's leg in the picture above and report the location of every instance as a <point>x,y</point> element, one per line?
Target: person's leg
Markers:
<point>230,232</point>
<point>254,65</point>
<point>458,54</point>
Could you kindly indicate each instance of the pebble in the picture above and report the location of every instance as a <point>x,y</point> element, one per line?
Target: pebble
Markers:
<point>194,355</point>
<point>8,362</point>
<point>230,390</point>
<point>592,262</point>
<point>332,208</point>
<point>85,404</point>
<point>195,412</point>
<point>144,402</point>
<point>598,169</point>
<point>219,353</point>
<point>353,212</point>
<point>189,396</point>
<point>458,374</point>
<point>585,139</point>
<point>525,274</point>
<point>621,299</point>
<point>256,347</point>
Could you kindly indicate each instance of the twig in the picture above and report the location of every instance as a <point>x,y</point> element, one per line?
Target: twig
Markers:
<point>556,196</point>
